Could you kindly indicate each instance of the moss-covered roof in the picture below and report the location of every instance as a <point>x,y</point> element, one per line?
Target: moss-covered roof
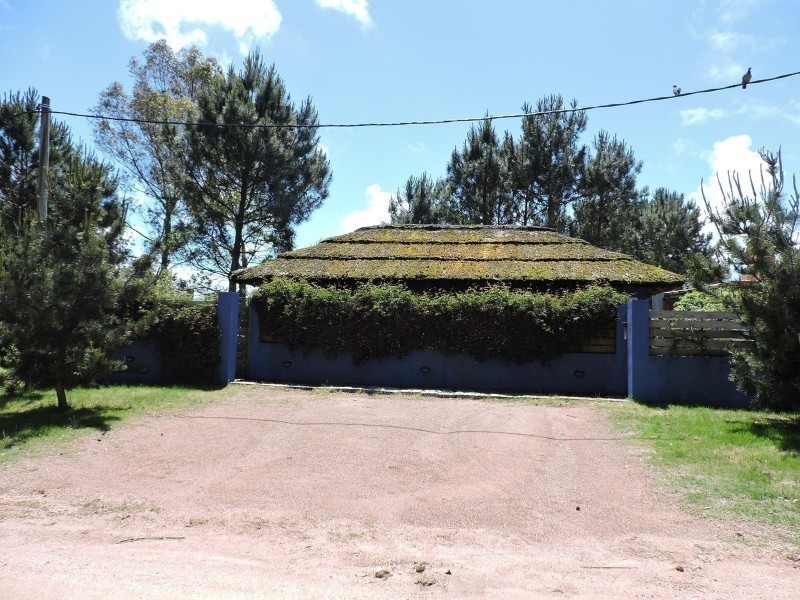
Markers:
<point>520,256</point>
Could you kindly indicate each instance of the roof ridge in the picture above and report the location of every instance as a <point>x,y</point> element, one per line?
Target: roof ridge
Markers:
<point>436,227</point>
<point>463,258</point>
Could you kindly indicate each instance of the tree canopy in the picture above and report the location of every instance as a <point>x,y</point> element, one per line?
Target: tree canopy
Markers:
<point>546,176</point>
<point>61,280</point>
<point>247,187</point>
<point>166,85</point>
<point>757,224</point>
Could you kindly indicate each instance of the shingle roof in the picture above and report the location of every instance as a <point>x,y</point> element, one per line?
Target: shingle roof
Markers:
<point>444,255</point>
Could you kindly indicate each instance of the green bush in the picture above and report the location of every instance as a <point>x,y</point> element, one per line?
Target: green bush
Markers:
<point>189,340</point>
<point>718,300</point>
<point>375,321</point>
<point>9,383</point>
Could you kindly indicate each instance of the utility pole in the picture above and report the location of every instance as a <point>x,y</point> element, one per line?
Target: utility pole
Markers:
<point>44,156</point>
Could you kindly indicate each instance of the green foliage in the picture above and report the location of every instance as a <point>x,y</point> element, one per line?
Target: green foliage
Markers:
<point>377,321</point>
<point>546,177</point>
<point>60,281</point>
<point>248,187</point>
<point>668,232</point>
<point>759,239</point>
<point>58,286</point>
<point>165,86</point>
<point>188,341</point>
<point>544,164</point>
<point>476,181</point>
<point>422,201</point>
<point>606,213</point>
<point>9,382</point>
<point>714,301</point>
<point>187,333</point>
<point>19,156</point>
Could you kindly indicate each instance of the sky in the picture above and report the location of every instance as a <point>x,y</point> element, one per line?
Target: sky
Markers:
<point>390,60</point>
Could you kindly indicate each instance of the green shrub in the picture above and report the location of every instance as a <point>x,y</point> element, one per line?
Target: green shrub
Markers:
<point>720,299</point>
<point>189,340</point>
<point>376,321</point>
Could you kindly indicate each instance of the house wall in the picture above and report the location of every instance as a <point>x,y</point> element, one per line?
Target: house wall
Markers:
<point>674,379</point>
<point>578,373</point>
<point>143,360</point>
<point>631,371</point>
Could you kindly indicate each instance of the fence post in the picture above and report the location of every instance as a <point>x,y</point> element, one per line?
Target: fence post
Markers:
<point>638,334</point>
<point>228,321</point>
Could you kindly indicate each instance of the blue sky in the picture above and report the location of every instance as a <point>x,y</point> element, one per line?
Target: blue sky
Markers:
<point>390,60</point>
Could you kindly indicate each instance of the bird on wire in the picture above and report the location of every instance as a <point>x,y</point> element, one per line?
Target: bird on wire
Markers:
<point>676,91</point>
<point>746,78</point>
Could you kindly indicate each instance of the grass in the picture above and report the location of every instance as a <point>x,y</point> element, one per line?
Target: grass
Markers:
<point>724,462</point>
<point>31,421</point>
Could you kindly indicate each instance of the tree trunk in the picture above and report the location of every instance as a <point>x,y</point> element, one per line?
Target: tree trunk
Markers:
<point>238,237</point>
<point>61,394</point>
<point>166,241</point>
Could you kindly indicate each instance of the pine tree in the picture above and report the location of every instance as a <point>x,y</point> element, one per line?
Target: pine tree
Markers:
<point>758,236</point>
<point>670,233</point>
<point>247,187</point>
<point>421,201</point>
<point>58,284</point>
<point>607,214</point>
<point>60,281</point>
<point>545,164</point>
<point>476,182</point>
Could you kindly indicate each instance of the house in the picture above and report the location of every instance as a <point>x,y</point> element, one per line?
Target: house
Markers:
<point>437,258</point>
<point>457,257</point>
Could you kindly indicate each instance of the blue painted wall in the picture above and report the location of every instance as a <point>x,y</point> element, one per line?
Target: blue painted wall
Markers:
<point>675,379</point>
<point>630,372</point>
<point>583,374</point>
<point>228,322</point>
<point>143,360</point>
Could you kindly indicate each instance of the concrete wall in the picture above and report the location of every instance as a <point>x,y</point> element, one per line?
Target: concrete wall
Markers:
<point>674,379</point>
<point>584,374</point>
<point>630,372</point>
<point>143,360</point>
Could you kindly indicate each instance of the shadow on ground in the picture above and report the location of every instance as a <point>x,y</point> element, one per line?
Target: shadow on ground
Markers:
<point>785,434</point>
<point>22,425</point>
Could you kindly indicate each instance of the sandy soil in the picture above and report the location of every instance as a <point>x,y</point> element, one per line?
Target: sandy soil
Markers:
<point>296,494</point>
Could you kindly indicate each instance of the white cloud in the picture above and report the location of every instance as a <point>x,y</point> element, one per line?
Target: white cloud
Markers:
<point>790,112</point>
<point>695,116</point>
<point>724,41</point>
<point>731,11</point>
<point>185,22</point>
<point>726,72</point>
<point>680,146</point>
<point>417,148</point>
<point>376,213</point>
<point>726,157</point>
<point>354,8</point>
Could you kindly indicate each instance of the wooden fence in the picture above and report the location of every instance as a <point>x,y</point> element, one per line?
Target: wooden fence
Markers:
<point>695,333</point>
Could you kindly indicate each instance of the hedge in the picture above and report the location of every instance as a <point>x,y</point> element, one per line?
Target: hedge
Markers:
<point>189,339</point>
<point>375,321</point>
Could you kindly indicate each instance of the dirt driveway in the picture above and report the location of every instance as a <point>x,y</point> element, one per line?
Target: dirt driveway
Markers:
<point>295,494</point>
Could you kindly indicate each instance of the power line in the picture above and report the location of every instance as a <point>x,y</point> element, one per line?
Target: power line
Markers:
<point>424,122</point>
